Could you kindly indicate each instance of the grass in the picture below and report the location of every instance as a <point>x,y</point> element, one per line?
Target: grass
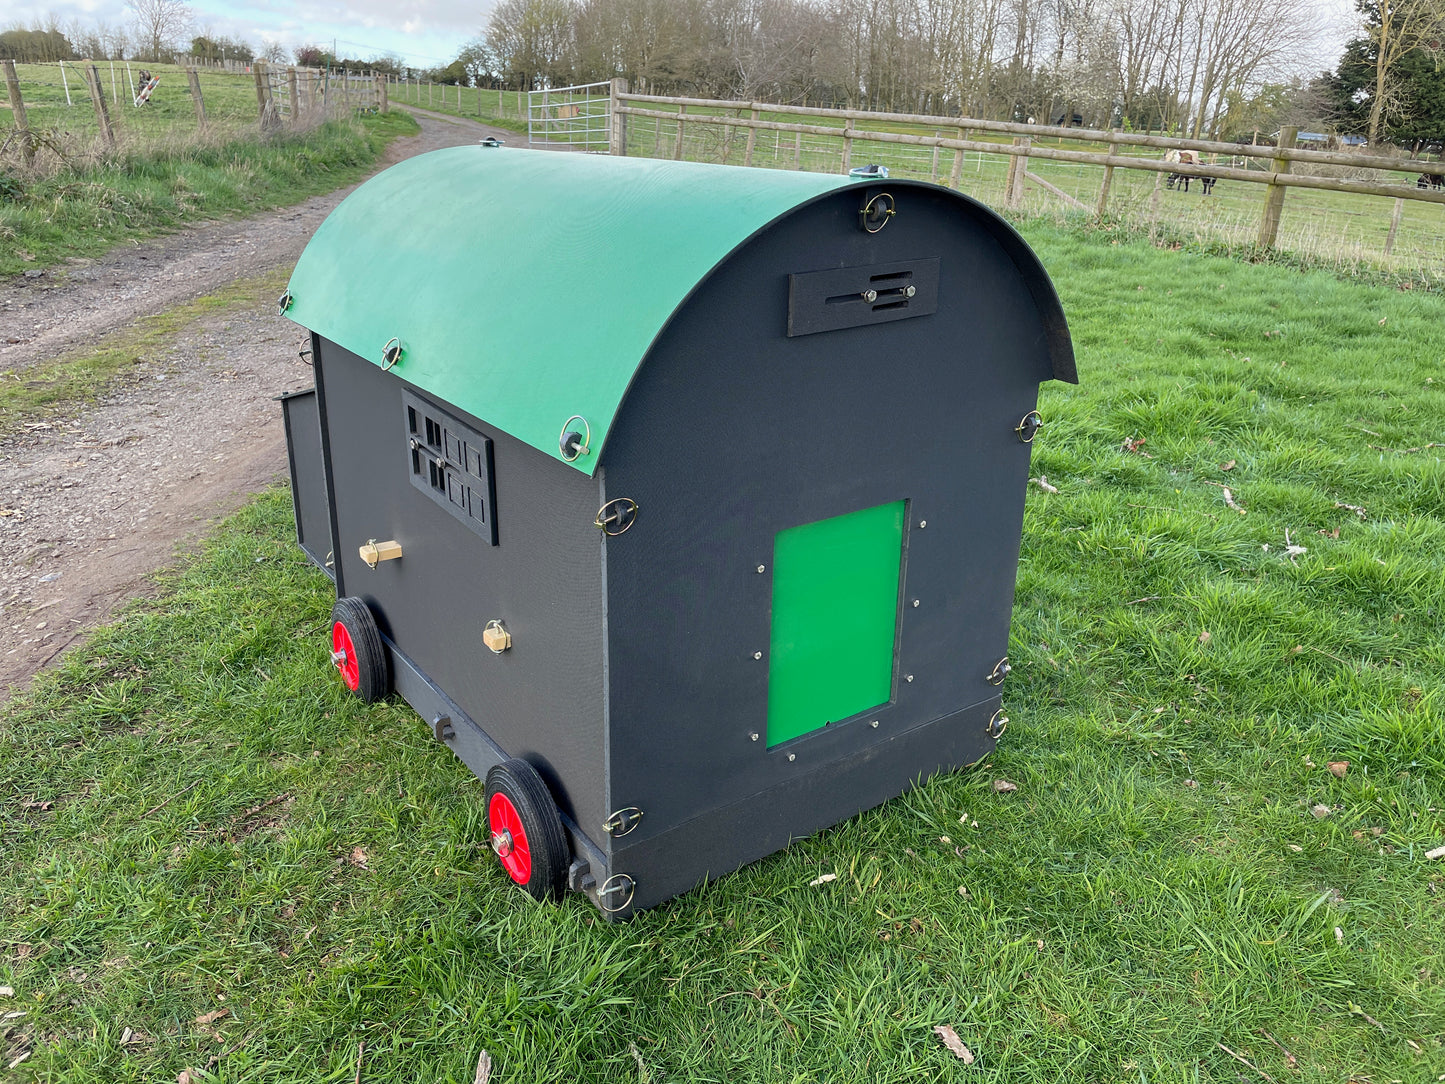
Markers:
<point>155,187</point>
<point>499,108</point>
<point>196,819</point>
<point>61,384</point>
<point>1340,228</point>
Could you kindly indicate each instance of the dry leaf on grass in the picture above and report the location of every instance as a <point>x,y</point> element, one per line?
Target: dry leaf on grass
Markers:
<point>1042,482</point>
<point>1227,466</point>
<point>954,1043</point>
<point>1319,812</point>
<point>484,1069</point>
<point>1205,637</point>
<point>357,858</point>
<point>824,879</point>
<point>16,1062</point>
<point>7,991</point>
<point>1191,783</point>
<point>212,1017</point>
<point>1296,848</point>
<point>1355,508</point>
<point>189,1076</point>
<point>1338,768</point>
<point>1438,852</point>
<point>1003,786</point>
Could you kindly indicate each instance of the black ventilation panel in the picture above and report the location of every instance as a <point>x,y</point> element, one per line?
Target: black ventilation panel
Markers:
<point>452,464</point>
<point>847,297</point>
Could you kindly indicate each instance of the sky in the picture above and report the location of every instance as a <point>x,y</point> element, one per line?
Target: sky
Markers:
<point>424,33</point>
<point>428,33</point>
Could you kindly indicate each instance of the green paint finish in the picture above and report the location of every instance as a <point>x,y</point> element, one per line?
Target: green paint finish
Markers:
<point>835,619</point>
<point>527,286</point>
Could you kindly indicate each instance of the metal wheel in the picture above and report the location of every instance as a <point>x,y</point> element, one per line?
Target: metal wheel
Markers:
<point>357,650</point>
<point>526,829</point>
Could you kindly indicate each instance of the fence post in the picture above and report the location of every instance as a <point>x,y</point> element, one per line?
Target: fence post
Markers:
<point>17,106</point>
<point>847,143</point>
<point>385,105</point>
<point>66,82</point>
<point>194,79</point>
<point>114,91</point>
<point>797,150</point>
<point>617,129</point>
<point>97,96</point>
<point>1103,203</point>
<point>1274,194</point>
<point>752,139</point>
<point>955,175</point>
<point>1017,167</point>
<point>677,150</point>
<point>1394,225</point>
<point>933,169</point>
<point>265,104</point>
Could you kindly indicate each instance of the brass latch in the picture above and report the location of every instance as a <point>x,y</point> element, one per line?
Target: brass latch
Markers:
<point>374,552</point>
<point>1000,671</point>
<point>496,637</point>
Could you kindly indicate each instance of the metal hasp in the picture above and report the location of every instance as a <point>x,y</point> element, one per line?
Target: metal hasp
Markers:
<point>664,521</point>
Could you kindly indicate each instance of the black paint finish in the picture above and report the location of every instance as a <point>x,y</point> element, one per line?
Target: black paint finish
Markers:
<point>308,476</point>
<point>542,699</point>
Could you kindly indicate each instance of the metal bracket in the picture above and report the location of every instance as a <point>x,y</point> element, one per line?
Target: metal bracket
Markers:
<point>283,303</point>
<point>623,821</point>
<point>619,884</point>
<point>441,728</point>
<point>579,875</point>
<point>573,444</point>
<point>1029,425</point>
<point>1000,671</point>
<point>614,517</point>
<point>997,725</point>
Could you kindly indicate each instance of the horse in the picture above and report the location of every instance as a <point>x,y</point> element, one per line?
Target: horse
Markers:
<point>1430,180</point>
<point>1188,158</point>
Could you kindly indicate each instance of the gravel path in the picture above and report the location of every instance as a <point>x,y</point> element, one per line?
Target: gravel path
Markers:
<point>92,503</point>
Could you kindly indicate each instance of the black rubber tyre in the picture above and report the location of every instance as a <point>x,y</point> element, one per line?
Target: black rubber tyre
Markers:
<point>357,651</point>
<point>523,819</point>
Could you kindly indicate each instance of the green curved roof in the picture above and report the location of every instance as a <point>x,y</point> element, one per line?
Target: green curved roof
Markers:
<point>449,252</point>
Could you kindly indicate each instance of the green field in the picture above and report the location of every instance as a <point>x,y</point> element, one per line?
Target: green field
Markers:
<point>147,187</point>
<point>1228,739</point>
<point>1332,227</point>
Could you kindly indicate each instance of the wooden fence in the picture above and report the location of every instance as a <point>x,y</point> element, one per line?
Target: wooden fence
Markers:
<point>851,127</point>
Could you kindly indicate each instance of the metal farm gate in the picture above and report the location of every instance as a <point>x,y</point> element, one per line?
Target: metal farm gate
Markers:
<point>575,117</point>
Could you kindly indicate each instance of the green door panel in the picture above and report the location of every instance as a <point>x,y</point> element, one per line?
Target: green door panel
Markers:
<point>835,619</point>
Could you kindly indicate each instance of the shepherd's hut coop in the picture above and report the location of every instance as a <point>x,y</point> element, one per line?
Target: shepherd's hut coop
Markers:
<point>683,502</point>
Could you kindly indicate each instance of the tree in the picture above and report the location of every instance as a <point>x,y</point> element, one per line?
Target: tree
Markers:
<point>159,25</point>
<point>1394,30</point>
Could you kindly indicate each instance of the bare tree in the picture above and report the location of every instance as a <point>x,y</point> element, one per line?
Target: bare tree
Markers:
<point>1400,26</point>
<point>159,25</point>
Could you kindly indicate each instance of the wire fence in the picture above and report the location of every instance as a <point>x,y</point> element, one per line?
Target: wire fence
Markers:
<point>80,110</point>
<point>1396,220</point>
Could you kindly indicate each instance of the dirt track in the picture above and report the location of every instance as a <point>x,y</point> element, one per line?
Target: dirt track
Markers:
<point>92,503</point>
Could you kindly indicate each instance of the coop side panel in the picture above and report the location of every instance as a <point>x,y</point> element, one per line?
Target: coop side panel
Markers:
<point>736,431</point>
<point>542,698</point>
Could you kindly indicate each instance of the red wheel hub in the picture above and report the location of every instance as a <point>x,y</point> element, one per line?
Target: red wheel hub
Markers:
<point>343,654</point>
<point>509,838</point>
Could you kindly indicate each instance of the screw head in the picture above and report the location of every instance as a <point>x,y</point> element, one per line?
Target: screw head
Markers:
<point>753,736</point>
<point>792,757</point>
<point>908,678</point>
<point>874,724</point>
<point>915,604</point>
<point>757,654</point>
<point>922,523</point>
<point>762,569</point>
